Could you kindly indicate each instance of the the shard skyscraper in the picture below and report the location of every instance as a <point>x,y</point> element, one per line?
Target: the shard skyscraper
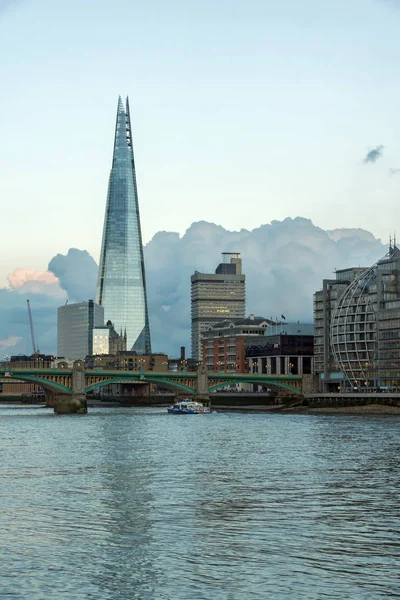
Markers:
<point>121,285</point>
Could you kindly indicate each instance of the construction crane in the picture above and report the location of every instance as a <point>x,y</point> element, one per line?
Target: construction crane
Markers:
<point>34,347</point>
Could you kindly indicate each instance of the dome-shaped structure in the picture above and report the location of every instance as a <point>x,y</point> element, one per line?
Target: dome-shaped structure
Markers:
<point>365,326</point>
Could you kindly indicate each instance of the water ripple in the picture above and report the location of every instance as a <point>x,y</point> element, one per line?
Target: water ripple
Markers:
<point>134,504</point>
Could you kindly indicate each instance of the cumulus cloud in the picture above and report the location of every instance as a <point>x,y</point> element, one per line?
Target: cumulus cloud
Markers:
<point>356,234</point>
<point>9,342</point>
<point>47,290</point>
<point>77,274</point>
<point>284,262</point>
<point>18,277</point>
<point>373,155</point>
<point>36,282</point>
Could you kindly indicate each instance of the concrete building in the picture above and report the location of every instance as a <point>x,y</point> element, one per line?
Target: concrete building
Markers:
<point>75,324</point>
<point>224,343</point>
<point>217,296</point>
<point>286,348</point>
<point>358,317</point>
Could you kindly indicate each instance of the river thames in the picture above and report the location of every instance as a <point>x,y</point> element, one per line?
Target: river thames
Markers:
<point>126,504</point>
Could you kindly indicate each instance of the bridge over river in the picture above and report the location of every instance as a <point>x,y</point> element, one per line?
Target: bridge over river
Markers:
<point>69,386</point>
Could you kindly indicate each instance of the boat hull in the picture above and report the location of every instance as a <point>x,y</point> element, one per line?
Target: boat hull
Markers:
<point>182,411</point>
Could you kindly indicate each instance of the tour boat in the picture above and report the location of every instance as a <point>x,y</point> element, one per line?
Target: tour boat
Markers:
<point>188,407</point>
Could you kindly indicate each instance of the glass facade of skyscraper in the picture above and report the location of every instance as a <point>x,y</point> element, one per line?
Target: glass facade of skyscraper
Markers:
<point>121,286</point>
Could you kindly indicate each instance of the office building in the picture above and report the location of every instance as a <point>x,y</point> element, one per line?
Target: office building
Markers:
<point>75,325</point>
<point>357,317</point>
<point>324,302</point>
<point>217,296</point>
<point>224,343</point>
<point>121,286</point>
<point>285,349</point>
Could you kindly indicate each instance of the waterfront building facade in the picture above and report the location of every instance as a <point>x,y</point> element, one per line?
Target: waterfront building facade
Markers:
<point>129,361</point>
<point>324,302</point>
<point>75,325</point>
<point>359,316</point>
<point>224,343</point>
<point>216,296</point>
<point>285,349</point>
<point>121,286</point>
<point>22,388</point>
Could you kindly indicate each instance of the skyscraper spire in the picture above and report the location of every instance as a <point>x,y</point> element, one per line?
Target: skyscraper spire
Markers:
<point>121,285</point>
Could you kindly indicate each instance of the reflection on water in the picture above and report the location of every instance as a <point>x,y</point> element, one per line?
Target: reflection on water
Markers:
<point>137,504</point>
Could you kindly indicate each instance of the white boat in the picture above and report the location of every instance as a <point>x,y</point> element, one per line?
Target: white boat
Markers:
<point>188,407</point>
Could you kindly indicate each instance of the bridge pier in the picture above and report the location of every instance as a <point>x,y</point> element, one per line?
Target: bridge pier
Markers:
<point>202,394</point>
<point>75,403</point>
<point>64,404</point>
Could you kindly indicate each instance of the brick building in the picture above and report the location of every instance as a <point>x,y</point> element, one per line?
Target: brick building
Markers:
<point>224,343</point>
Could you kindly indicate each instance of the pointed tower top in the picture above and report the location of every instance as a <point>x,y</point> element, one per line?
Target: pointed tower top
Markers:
<point>120,105</point>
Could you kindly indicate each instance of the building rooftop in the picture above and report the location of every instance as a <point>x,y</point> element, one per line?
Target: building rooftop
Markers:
<point>237,322</point>
<point>290,329</point>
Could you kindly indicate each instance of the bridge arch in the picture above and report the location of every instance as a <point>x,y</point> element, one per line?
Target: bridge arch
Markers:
<point>172,384</point>
<point>147,379</point>
<point>268,383</point>
<point>47,384</point>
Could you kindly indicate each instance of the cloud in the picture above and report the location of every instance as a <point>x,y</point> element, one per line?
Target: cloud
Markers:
<point>18,277</point>
<point>36,282</point>
<point>9,342</point>
<point>373,155</point>
<point>74,278</point>
<point>394,171</point>
<point>284,262</point>
<point>77,274</point>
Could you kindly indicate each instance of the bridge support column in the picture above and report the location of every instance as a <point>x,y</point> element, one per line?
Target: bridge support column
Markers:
<point>202,385</point>
<point>76,403</point>
<point>67,405</point>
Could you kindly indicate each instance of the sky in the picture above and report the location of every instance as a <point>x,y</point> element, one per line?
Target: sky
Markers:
<point>242,113</point>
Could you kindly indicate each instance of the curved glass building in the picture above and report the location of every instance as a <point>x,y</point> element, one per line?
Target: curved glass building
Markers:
<point>365,327</point>
<point>121,285</point>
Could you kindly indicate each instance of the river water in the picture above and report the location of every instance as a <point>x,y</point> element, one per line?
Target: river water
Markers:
<point>127,504</point>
